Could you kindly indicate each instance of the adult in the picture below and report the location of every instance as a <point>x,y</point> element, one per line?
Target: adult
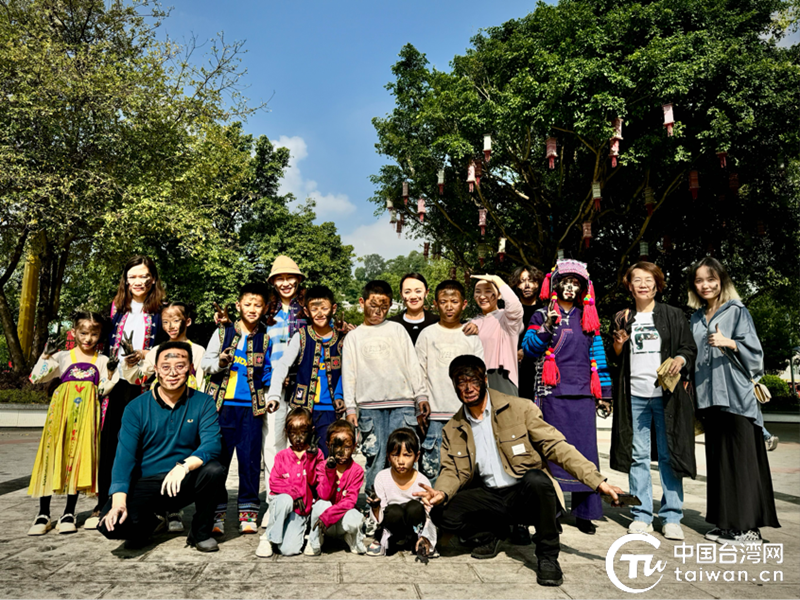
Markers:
<point>415,318</point>
<point>493,474</point>
<point>166,457</point>
<point>526,282</point>
<point>644,338</point>
<point>135,329</point>
<point>740,499</point>
<point>573,378</point>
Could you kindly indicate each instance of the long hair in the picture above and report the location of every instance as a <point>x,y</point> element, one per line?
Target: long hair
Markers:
<point>155,296</point>
<point>727,290</point>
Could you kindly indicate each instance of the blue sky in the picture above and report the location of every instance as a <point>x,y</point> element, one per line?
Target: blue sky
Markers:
<point>327,64</point>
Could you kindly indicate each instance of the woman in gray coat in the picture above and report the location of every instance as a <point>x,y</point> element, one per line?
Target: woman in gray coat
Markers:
<point>729,355</point>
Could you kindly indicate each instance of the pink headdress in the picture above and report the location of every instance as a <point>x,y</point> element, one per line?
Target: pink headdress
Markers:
<point>590,322</point>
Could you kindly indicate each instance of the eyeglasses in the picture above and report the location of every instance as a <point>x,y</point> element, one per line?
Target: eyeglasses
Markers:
<point>178,369</point>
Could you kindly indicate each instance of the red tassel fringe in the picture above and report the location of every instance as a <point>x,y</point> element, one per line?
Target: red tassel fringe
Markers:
<point>590,322</point>
<point>544,293</point>
<point>597,391</point>
<point>550,373</point>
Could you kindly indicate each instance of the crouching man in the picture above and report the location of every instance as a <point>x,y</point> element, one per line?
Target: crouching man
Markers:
<point>166,457</point>
<point>492,470</point>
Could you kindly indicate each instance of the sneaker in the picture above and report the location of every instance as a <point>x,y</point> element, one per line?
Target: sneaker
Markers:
<point>772,443</point>
<point>375,549</point>
<point>219,528</point>
<point>175,523</point>
<point>93,521</point>
<point>264,549</point>
<point>355,541</point>
<point>41,525</point>
<point>640,527</point>
<point>672,531</point>
<point>309,551</point>
<point>714,534</point>
<point>66,524</point>
<point>248,527</point>
<point>548,572</point>
<point>520,535</point>
<point>489,549</point>
<point>740,538</point>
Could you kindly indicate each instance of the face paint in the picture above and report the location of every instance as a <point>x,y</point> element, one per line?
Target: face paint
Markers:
<point>299,435</point>
<point>568,289</point>
<point>341,448</point>
<point>375,308</point>
<point>527,286</point>
<point>470,390</point>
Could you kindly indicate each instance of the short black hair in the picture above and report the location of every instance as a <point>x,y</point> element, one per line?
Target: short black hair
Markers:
<point>319,292</point>
<point>413,276</point>
<point>87,315</point>
<point>174,346</point>
<point>257,289</point>
<point>184,307</point>
<point>379,287</point>
<point>450,284</point>
<point>340,426</point>
<point>467,362</point>
<point>405,436</point>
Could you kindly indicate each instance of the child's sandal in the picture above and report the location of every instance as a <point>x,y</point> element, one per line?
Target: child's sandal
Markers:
<point>375,549</point>
<point>41,525</point>
<point>66,524</point>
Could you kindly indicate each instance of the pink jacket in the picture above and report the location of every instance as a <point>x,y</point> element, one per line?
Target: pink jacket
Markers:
<point>499,332</point>
<point>344,496</point>
<point>296,476</point>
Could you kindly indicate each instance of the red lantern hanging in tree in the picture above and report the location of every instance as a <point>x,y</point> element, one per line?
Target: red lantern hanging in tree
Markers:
<point>694,183</point>
<point>478,173</point>
<point>405,192</point>
<point>471,177</point>
<point>552,151</point>
<point>614,153</point>
<point>426,248</point>
<point>482,220</point>
<point>437,251</point>
<point>596,195</point>
<point>440,177</point>
<point>487,147</point>
<point>421,210</point>
<point>587,233</point>
<point>501,249</point>
<point>649,200</point>
<point>723,159</point>
<point>482,252</point>
<point>400,224</point>
<point>669,118</point>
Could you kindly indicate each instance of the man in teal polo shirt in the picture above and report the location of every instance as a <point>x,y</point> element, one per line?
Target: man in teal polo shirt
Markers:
<point>166,457</point>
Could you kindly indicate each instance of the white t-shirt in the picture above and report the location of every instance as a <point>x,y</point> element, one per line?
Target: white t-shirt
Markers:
<point>645,356</point>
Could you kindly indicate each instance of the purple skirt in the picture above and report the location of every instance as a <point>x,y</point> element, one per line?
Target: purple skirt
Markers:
<point>576,419</point>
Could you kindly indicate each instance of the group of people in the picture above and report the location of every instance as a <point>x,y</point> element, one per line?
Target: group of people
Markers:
<point>468,429</point>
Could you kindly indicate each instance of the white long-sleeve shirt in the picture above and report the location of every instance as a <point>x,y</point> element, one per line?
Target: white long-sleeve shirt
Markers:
<point>436,347</point>
<point>380,368</point>
<point>499,331</point>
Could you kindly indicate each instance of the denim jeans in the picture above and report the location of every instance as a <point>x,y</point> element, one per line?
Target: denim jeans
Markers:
<point>375,425</point>
<point>648,415</point>
<point>350,523</point>
<point>286,529</point>
<point>430,456</point>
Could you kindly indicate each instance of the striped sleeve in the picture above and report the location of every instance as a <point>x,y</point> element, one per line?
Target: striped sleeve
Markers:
<point>537,338</point>
<point>597,353</point>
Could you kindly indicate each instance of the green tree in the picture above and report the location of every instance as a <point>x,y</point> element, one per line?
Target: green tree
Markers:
<point>567,72</point>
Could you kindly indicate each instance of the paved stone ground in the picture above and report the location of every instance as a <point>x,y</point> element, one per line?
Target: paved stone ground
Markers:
<point>85,565</point>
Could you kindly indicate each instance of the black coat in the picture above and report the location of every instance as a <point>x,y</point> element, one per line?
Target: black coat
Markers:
<point>676,338</point>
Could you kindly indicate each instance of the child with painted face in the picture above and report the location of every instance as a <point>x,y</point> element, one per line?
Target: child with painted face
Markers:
<point>339,480</point>
<point>68,459</point>
<point>175,320</point>
<point>384,386</point>
<point>414,292</point>
<point>403,518</point>
<point>315,353</point>
<point>436,347</point>
<point>237,358</point>
<point>291,484</point>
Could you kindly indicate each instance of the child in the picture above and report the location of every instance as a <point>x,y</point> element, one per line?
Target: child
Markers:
<point>403,517</point>
<point>238,360</point>
<point>338,483</point>
<point>67,461</point>
<point>317,350</point>
<point>292,479</point>
<point>436,347</point>
<point>382,377</point>
<point>175,320</point>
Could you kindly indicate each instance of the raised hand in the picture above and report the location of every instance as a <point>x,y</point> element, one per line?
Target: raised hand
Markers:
<point>717,340</point>
<point>428,496</point>
<point>112,364</point>
<point>50,347</point>
<point>226,357</point>
<point>221,315</point>
<point>126,343</point>
<point>313,444</point>
<point>552,315</point>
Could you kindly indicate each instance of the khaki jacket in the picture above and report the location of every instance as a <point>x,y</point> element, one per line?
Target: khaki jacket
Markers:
<point>515,421</point>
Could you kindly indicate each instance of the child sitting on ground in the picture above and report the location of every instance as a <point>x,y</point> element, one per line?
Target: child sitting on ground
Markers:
<point>402,516</point>
<point>338,481</point>
<point>291,487</point>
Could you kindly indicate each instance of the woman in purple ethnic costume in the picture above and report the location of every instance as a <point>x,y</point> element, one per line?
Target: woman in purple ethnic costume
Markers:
<point>572,374</point>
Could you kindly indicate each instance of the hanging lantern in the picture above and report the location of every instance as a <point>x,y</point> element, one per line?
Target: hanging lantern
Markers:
<point>426,247</point>
<point>482,220</point>
<point>393,219</point>
<point>389,205</point>
<point>669,118</point>
<point>614,153</point>
<point>405,192</point>
<point>723,159</point>
<point>596,196</point>
<point>487,147</point>
<point>760,228</point>
<point>667,241</point>
<point>649,200</point>
<point>644,250</point>
<point>552,152</point>
<point>482,252</point>
<point>478,173</point>
<point>400,224</point>
<point>421,210</point>
<point>694,183</point>
<point>587,233</point>
<point>471,177</point>
<point>733,182</point>
<point>440,177</point>
<point>501,249</point>
<point>560,255</point>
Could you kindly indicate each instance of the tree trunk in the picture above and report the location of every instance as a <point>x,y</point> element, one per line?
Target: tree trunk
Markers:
<point>18,362</point>
<point>43,316</point>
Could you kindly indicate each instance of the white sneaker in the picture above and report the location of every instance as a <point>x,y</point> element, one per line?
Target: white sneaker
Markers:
<point>264,549</point>
<point>672,531</point>
<point>355,542</point>
<point>740,538</point>
<point>248,527</point>
<point>640,527</point>
<point>41,525</point>
<point>713,535</point>
<point>309,551</point>
<point>91,523</point>
<point>219,528</point>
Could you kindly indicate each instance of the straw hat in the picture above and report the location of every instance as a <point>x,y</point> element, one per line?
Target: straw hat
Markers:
<point>284,265</point>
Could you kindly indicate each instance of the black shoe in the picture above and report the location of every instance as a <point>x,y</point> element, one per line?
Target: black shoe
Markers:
<point>548,572</point>
<point>520,536</point>
<point>489,549</point>
<point>586,526</point>
<point>136,544</point>
<point>208,545</point>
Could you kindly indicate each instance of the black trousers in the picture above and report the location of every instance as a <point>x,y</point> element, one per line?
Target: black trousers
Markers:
<point>533,501</point>
<point>401,519</point>
<point>118,400</point>
<point>203,487</point>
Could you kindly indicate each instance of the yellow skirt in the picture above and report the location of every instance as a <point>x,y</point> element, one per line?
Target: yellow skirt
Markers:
<point>67,460</point>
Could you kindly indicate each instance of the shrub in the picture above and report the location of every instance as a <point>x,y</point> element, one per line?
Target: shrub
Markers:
<point>776,386</point>
<point>24,396</point>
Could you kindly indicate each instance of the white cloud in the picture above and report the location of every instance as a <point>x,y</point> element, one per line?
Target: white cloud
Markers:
<point>329,206</point>
<point>380,238</point>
